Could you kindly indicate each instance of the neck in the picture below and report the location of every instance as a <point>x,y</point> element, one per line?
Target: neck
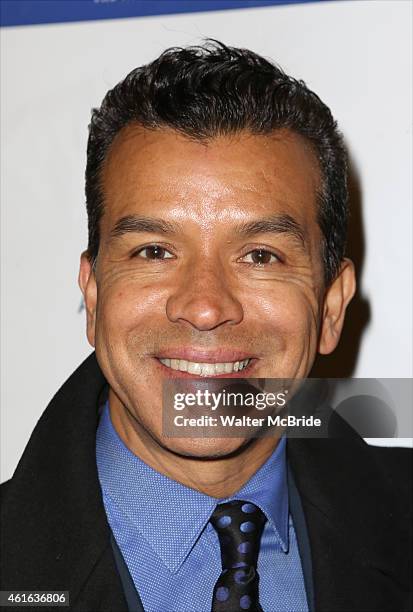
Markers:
<point>219,476</point>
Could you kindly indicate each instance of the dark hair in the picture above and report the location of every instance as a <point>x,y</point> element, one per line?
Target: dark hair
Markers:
<point>212,90</point>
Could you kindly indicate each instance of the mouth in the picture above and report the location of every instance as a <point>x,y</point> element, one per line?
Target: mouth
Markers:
<point>199,368</point>
<point>187,362</point>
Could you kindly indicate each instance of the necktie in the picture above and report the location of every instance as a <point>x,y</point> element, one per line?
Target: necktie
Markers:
<point>239,525</point>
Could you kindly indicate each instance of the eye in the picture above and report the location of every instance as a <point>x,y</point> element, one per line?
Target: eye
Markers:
<point>154,252</point>
<point>261,257</point>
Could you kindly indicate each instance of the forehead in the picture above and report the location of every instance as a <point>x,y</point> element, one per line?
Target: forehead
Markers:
<point>227,176</point>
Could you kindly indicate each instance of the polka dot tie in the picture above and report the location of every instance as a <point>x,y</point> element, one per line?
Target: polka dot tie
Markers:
<point>239,525</point>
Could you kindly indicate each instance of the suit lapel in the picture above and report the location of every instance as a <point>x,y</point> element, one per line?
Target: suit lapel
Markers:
<point>56,536</point>
<point>356,557</point>
<point>131,594</point>
<point>301,531</point>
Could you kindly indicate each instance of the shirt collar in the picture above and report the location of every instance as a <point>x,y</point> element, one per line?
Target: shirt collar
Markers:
<point>170,516</point>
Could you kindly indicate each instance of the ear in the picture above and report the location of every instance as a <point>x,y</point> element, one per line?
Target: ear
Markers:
<point>336,300</point>
<point>88,287</point>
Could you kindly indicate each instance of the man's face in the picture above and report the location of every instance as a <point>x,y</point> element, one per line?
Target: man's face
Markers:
<point>209,257</point>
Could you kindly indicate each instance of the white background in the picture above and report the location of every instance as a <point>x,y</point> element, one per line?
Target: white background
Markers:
<point>356,55</point>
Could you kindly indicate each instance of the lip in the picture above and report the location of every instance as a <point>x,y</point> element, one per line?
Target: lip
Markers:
<point>221,355</point>
<point>173,374</point>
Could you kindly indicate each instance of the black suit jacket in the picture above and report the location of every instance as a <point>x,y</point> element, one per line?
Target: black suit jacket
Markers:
<point>55,536</point>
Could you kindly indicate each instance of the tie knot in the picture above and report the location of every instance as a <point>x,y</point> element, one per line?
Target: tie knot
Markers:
<point>239,525</point>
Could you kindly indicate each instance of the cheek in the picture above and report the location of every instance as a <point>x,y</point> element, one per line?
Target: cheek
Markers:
<point>287,319</point>
<point>289,309</point>
<point>125,308</point>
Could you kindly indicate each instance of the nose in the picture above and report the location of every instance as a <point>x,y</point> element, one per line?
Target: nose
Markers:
<point>204,299</point>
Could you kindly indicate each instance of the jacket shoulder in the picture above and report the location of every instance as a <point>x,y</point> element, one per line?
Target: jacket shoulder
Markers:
<point>397,463</point>
<point>4,487</point>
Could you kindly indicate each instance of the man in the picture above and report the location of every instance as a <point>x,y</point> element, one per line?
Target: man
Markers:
<point>217,204</point>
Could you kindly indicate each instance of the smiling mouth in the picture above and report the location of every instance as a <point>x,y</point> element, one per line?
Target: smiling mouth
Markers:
<point>199,368</point>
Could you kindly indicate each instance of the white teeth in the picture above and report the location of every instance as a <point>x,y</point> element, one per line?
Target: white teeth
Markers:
<point>243,364</point>
<point>208,369</point>
<point>205,369</point>
<point>194,368</point>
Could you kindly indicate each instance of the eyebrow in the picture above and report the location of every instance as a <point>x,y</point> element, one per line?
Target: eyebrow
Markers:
<point>275,224</point>
<point>138,224</point>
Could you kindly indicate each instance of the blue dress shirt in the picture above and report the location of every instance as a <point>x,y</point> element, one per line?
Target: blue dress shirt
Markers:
<point>172,551</point>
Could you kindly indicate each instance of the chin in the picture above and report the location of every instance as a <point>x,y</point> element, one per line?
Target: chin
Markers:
<point>205,448</point>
